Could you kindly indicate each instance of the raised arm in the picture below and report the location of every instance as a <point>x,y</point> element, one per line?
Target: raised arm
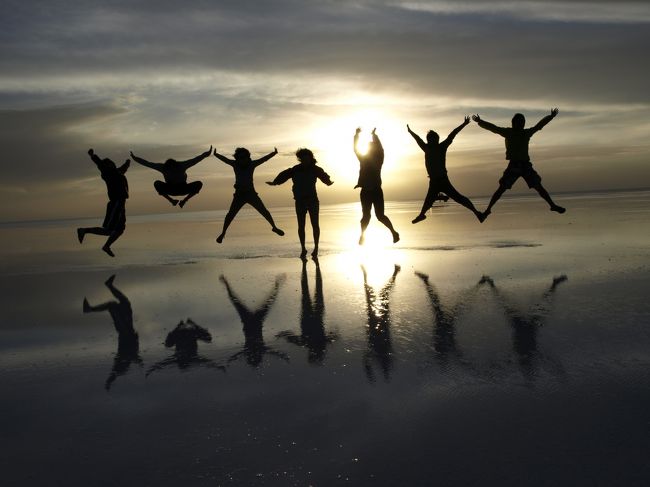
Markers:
<point>377,143</point>
<point>540,125</point>
<point>281,178</point>
<point>153,165</point>
<point>488,126</point>
<point>95,158</point>
<point>189,163</point>
<point>262,160</point>
<point>455,132</point>
<point>124,167</point>
<point>417,138</point>
<point>356,140</point>
<point>230,162</point>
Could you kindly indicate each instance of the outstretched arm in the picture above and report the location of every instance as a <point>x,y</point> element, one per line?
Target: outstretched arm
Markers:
<point>488,126</point>
<point>540,125</point>
<point>124,167</point>
<point>153,165</point>
<point>189,163</point>
<point>262,160</point>
<point>417,138</point>
<point>281,178</point>
<point>230,162</point>
<point>455,132</point>
<point>95,158</point>
<point>323,176</point>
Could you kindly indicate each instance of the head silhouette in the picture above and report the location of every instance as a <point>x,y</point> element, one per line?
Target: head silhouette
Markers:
<point>305,156</point>
<point>109,163</point>
<point>432,137</point>
<point>242,155</point>
<point>170,162</point>
<point>518,121</point>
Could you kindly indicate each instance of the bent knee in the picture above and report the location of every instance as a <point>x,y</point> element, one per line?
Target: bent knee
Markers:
<point>159,186</point>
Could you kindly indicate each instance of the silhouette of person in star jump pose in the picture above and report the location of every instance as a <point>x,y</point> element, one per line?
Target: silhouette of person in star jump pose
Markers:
<point>369,181</point>
<point>435,153</point>
<point>244,187</point>
<point>118,192</point>
<point>304,176</point>
<point>519,165</point>
<point>175,174</point>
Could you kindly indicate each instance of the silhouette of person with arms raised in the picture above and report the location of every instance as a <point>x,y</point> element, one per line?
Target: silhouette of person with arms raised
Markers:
<point>304,176</point>
<point>184,338</point>
<point>435,154</point>
<point>118,192</point>
<point>379,345</point>
<point>244,188</point>
<point>175,174</point>
<point>254,348</point>
<point>369,181</point>
<point>312,331</point>
<point>525,325</point>
<point>517,139</point>
<point>128,344</point>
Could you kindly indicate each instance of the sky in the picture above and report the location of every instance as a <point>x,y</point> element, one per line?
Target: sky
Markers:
<point>167,79</point>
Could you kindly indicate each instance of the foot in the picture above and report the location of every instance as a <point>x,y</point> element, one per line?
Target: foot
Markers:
<point>220,238</point>
<point>395,237</point>
<point>362,239</point>
<point>558,209</point>
<point>481,216</point>
<point>81,234</point>
<point>278,231</point>
<point>108,250</point>
<point>109,281</point>
<point>484,215</point>
<point>173,202</point>
<point>86,307</point>
<point>182,203</point>
<point>419,218</point>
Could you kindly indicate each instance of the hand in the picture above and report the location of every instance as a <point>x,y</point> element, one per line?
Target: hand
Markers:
<point>357,131</point>
<point>466,120</point>
<point>90,152</point>
<point>127,162</point>
<point>374,130</point>
<point>270,183</point>
<point>330,183</point>
<point>132,155</point>
<point>209,151</point>
<point>476,118</point>
<point>275,150</point>
<point>554,111</point>
<point>408,128</point>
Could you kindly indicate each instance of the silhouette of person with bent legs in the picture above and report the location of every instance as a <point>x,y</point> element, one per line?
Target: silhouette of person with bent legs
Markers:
<point>184,338</point>
<point>175,174</point>
<point>379,322</point>
<point>128,344</point>
<point>118,192</point>
<point>312,331</point>
<point>369,181</point>
<point>517,138</point>
<point>244,188</point>
<point>254,347</point>
<point>304,176</point>
<point>435,153</point>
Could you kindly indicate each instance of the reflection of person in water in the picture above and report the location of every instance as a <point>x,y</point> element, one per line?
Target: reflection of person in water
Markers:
<point>128,347</point>
<point>245,189</point>
<point>304,176</point>
<point>312,331</point>
<point>254,348</point>
<point>369,181</point>
<point>525,325</point>
<point>175,174</point>
<point>379,345</point>
<point>184,338</point>
<point>118,192</point>
<point>435,154</point>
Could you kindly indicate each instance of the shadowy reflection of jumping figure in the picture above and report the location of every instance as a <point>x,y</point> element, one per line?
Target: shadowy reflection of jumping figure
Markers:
<point>312,331</point>
<point>185,338</point>
<point>254,347</point>
<point>435,153</point>
<point>370,183</point>
<point>128,345</point>
<point>379,345</point>
<point>304,176</point>
<point>525,325</point>
<point>244,188</point>
<point>118,192</point>
<point>519,165</point>
<point>175,174</point>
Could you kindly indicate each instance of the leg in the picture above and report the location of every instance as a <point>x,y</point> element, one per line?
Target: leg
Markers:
<point>495,197</point>
<point>161,189</point>
<point>463,200</point>
<point>115,224</point>
<point>235,206</point>
<point>257,203</point>
<point>193,189</point>
<point>379,213</point>
<point>112,238</point>
<point>366,206</point>
<point>547,197</point>
<point>315,226</point>
<point>429,199</point>
<point>301,215</point>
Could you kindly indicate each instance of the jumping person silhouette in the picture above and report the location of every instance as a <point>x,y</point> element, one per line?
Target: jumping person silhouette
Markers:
<point>118,191</point>
<point>370,183</point>
<point>519,165</point>
<point>435,161</point>
<point>304,176</point>
<point>244,188</point>
<point>175,174</point>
